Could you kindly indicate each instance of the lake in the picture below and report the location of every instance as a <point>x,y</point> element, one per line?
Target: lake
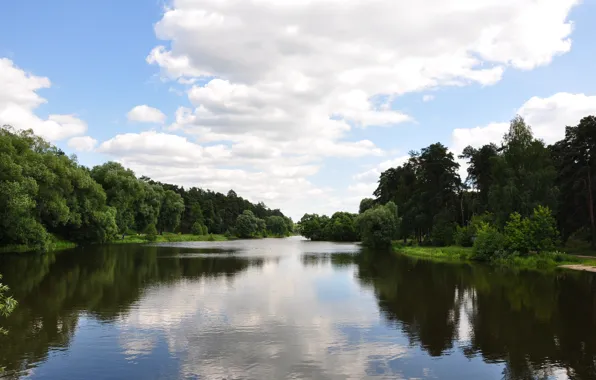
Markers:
<point>290,309</point>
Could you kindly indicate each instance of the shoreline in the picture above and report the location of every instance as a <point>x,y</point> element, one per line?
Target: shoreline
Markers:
<point>455,254</point>
<point>132,239</point>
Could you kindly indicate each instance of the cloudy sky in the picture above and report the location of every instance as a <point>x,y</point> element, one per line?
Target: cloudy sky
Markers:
<point>297,103</point>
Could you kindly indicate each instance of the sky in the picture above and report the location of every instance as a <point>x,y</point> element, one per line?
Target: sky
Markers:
<point>300,104</point>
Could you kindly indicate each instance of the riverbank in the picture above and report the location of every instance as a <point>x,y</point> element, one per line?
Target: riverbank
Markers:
<point>465,254</point>
<point>169,238</point>
<point>55,246</point>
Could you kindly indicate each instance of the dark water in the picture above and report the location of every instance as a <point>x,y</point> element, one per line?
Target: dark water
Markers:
<point>290,309</point>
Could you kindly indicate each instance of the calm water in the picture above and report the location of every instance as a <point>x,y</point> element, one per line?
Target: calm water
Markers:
<point>290,309</point>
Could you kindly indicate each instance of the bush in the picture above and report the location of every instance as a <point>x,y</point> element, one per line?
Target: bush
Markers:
<point>542,229</point>
<point>197,229</point>
<point>535,234</point>
<point>442,234</point>
<point>489,243</point>
<point>464,236</point>
<point>151,232</point>
<point>377,226</point>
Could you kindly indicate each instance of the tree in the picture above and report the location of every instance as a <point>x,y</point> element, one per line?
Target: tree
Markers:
<point>7,304</point>
<point>377,227</point>
<point>150,232</point>
<point>171,210</point>
<point>246,224</point>
<point>123,191</point>
<point>365,204</point>
<point>523,174</point>
<point>277,225</point>
<point>575,178</point>
<point>480,172</point>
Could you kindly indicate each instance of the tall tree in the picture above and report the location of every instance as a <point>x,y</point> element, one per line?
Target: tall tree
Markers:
<point>523,174</point>
<point>575,159</point>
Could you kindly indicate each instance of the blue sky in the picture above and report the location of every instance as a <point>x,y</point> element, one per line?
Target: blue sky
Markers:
<point>277,99</point>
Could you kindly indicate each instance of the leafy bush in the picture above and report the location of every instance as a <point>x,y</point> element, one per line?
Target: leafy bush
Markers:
<point>535,234</point>
<point>517,234</point>
<point>198,229</point>
<point>151,232</point>
<point>542,230</point>
<point>464,236</point>
<point>489,243</point>
<point>442,233</point>
<point>377,226</point>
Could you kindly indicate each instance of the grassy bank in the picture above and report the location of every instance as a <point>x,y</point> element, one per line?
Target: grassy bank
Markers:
<point>169,238</point>
<point>55,246</point>
<point>465,254</point>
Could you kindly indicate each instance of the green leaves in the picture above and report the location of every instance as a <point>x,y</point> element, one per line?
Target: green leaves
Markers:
<point>7,304</point>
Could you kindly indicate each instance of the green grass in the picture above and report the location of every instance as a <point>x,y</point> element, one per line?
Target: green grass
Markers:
<point>548,260</point>
<point>451,253</point>
<point>57,245</point>
<point>169,238</point>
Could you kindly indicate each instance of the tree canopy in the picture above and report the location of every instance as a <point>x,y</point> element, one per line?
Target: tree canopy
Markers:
<point>46,196</point>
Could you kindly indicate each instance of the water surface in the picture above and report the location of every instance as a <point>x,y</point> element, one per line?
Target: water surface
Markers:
<point>290,309</point>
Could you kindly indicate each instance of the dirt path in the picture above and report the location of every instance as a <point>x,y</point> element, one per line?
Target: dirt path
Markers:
<point>586,268</point>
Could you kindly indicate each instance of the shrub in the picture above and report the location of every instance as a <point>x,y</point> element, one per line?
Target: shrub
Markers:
<point>542,229</point>
<point>197,229</point>
<point>517,234</point>
<point>151,232</point>
<point>489,243</point>
<point>537,233</point>
<point>464,236</point>
<point>442,233</point>
<point>377,226</point>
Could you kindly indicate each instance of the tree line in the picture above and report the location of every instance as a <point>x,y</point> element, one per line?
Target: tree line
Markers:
<point>46,195</point>
<point>520,194</point>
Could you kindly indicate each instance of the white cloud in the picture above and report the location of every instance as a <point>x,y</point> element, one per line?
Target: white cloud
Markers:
<point>19,99</point>
<point>146,114</point>
<point>366,181</point>
<point>548,118</point>
<point>82,143</point>
<point>427,98</point>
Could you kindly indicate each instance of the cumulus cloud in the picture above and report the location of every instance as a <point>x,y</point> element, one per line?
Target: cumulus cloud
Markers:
<point>19,99</point>
<point>82,143</point>
<point>146,114</point>
<point>548,118</point>
<point>427,98</point>
<point>275,87</point>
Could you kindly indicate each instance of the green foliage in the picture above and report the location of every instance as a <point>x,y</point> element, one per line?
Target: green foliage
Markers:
<point>277,225</point>
<point>7,304</point>
<point>489,243</point>
<point>199,229</point>
<point>247,225</point>
<point>150,232</point>
<point>443,230</point>
<point>377,226</point>
<point>44,192</point>
<point>170,212</point>
<point>366,204</point>
<point>340,227</point>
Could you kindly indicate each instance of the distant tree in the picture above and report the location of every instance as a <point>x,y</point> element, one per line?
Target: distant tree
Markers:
<point>365,204</point>
<point>171,210</point>
<point>277,225</point>
<point>246,224</point>
<point>150,232</point>
<point>377,226</point>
